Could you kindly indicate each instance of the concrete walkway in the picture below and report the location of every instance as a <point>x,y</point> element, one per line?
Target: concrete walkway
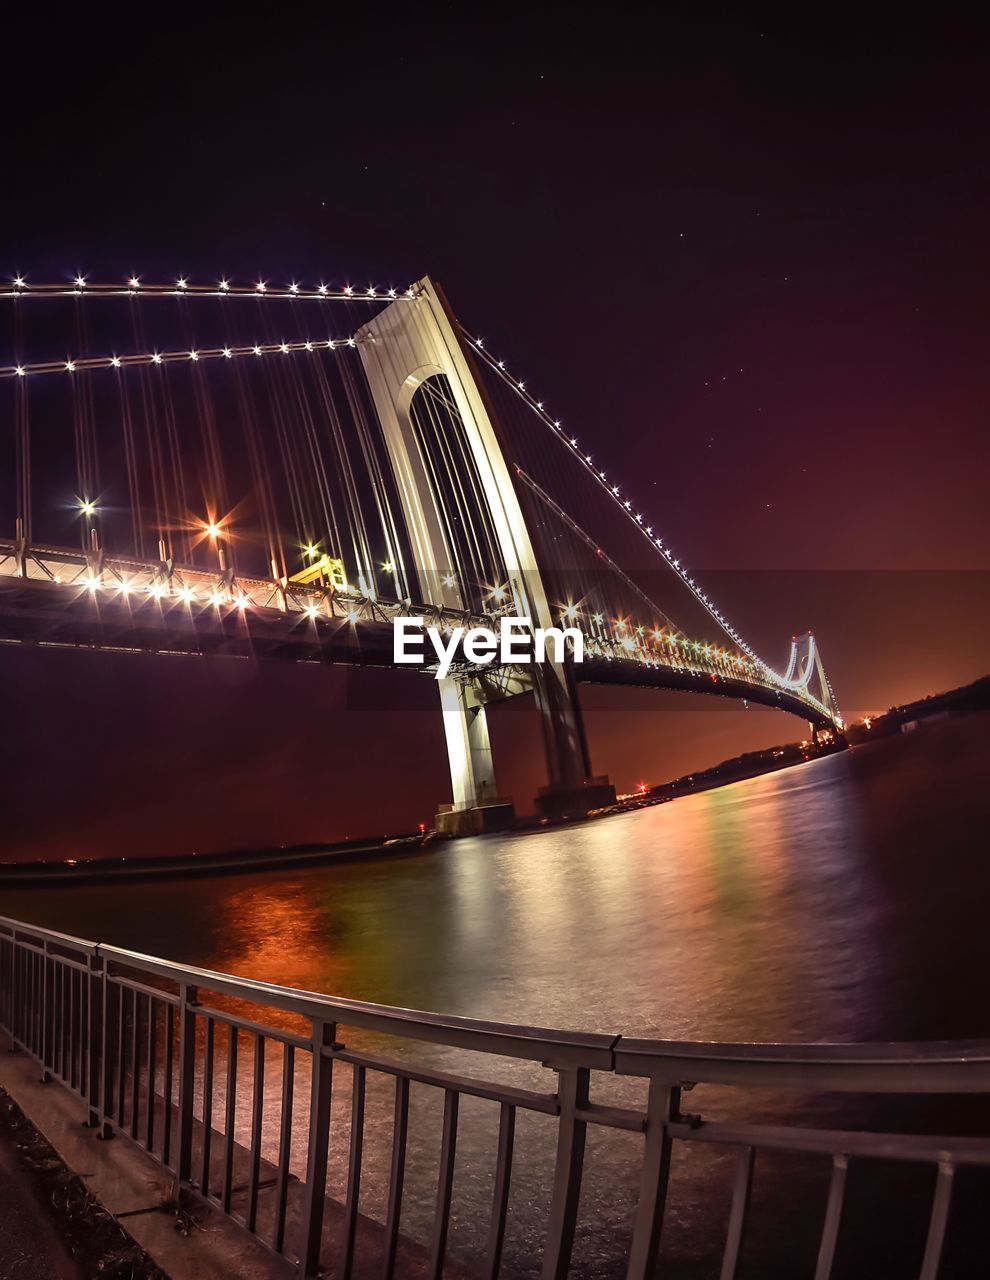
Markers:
<point>130,1186</point>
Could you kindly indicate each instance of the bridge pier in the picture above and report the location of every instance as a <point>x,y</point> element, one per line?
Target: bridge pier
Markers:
<point>477,807</point>
<point>827,738</point>
<point>572,790</point>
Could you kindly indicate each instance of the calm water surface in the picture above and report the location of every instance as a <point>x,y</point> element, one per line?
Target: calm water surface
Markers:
<point>842,899</point>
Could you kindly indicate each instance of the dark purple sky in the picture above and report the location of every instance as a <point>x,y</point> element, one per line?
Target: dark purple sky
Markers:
<point>750,259</point>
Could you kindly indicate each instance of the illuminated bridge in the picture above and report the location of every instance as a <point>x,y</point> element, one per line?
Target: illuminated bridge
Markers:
<point>280,472</point>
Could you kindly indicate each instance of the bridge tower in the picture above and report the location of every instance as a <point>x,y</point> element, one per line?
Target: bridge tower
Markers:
<point>403,346</point>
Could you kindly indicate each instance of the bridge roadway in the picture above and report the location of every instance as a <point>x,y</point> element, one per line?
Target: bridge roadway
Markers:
<point>112,606</point>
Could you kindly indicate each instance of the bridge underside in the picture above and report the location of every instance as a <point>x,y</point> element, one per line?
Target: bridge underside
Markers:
<point>42,613</point>
<point>634,674</point>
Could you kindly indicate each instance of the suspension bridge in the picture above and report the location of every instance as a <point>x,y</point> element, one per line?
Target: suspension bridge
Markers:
<point>248,470</point>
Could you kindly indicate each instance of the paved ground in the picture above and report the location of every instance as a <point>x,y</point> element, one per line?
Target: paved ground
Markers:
<point>30,1247</point>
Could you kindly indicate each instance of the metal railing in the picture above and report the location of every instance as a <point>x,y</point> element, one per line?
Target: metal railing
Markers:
<point>152,1048</point>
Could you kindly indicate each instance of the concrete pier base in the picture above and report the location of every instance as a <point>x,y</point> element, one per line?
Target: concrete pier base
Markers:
<point>575,802</point>
<point>498,814</point>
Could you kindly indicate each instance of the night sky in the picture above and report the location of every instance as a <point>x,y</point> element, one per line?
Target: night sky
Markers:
<point>750,260</point>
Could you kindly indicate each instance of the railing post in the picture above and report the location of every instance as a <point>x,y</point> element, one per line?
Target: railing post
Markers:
<point>94,1038</point>
<point>316,1152</point>
<point>572,1090</point>
<point>187,1081</point>
<point>108,1037</point>
<point>46,1031</point>
<point>663,1104</point>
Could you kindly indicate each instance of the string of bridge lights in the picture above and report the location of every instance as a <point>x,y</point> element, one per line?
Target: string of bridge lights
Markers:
<point>81,286</point>
<point>80,363</point>
<point>613,491</point>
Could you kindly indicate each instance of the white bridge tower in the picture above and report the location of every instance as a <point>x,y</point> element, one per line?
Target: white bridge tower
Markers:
<point>404,345</point>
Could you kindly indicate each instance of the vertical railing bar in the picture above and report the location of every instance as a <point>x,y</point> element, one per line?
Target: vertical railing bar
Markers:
<point>400,1133</point>
<point>149,1128</point>
<point>503,1182</point>
<point>230,1116</point>
<point>167,1083</point>
<point>257,1117</point>
<point>207,1139</point>
<point>833,1217</point>
<point>94,1039</point>
<point>187,1081</point>
<point>63,1031</point>
<point>742,1186</point>
<point>121,1055</point>
<point>26,999</point>
<point>572,1090</point>
<point>941,1201</point>
<point>29,969</point>
<point>82,1027</point>
<point>663,1104</point>
<point>60,1021</point>
<point>354,1169</point>
<point>35,1002</point>
<point>284,1144</point>
<point>111,1016</point>
<point>445,1184</point>
<point>33,1005</point>
<point>14,1007</point>
<point>318,1144</point>
<point>135,1064</point>
<point>70,1073</point>
<point>18,1012</point>
<point>45,1014</point>
<point>85,1015</point>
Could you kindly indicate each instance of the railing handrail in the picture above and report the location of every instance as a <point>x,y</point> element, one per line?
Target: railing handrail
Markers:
<point>944,1065</point>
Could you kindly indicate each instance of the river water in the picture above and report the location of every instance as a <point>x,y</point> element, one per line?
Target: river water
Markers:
<point>842,899</point>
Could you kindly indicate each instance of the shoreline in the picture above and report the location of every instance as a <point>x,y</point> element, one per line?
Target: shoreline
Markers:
<point>68,871</point>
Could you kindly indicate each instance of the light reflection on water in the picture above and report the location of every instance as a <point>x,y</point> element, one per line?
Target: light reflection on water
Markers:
<point>838,900</point>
